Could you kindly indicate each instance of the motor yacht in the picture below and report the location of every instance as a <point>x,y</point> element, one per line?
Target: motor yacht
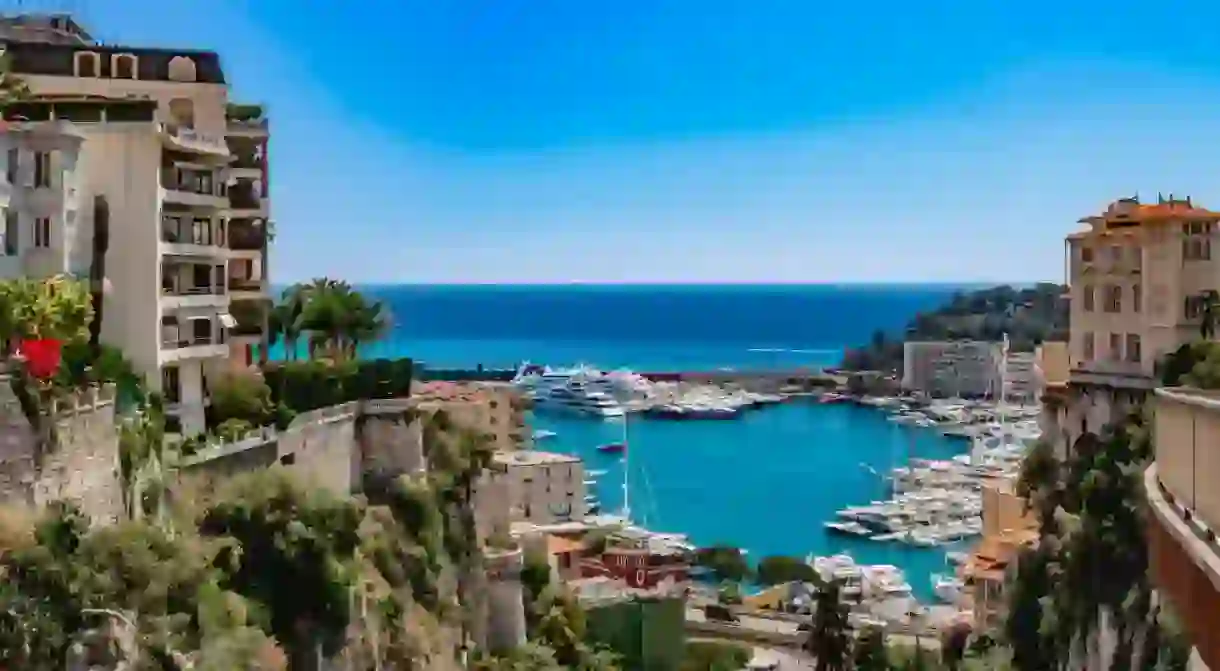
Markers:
<point>576,398</point>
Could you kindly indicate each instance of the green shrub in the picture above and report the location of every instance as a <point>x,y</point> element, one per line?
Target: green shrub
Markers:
<point>714,656</point>
<point>241,396</point>
<point>234,429</point>
<point>302,386</point>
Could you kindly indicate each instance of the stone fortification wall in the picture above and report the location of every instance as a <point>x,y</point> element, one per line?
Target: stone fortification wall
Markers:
<point>72,453</point>
<point>391,439</point>
<point>322,446</point>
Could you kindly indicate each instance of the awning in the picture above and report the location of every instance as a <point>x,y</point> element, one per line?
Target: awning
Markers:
<point>227,320</point>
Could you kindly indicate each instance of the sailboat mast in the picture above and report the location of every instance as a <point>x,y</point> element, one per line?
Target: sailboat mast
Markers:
<point>1000,409</point>
<point>626,472</point>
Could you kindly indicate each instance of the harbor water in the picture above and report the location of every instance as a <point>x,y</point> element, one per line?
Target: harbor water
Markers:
<point>766,481</point>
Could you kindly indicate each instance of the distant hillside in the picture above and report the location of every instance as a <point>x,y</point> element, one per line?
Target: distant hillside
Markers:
<point>1029,316</point>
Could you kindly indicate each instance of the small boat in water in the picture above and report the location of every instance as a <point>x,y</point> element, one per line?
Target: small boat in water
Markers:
<point>543,434</point>
<point>848,528</point>
<point>612,448</point>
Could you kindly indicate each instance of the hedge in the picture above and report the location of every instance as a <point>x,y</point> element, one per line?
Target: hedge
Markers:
<point>302,386</point>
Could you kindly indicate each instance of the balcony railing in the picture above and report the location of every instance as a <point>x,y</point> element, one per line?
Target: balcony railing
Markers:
<point>247,238</point>
<point>245,284</point>
<point>244,200</point>
<point>247,160</point>
<point>218,290</point>
<point>1187,431</point>
<point>190,341</point>
<point>197,182</point>
<point>191,138</point>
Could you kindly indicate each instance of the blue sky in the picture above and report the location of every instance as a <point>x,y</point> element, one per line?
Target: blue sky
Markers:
<point>709,140</point>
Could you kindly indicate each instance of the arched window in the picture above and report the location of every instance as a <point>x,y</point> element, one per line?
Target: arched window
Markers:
<point>123,66</point>
<point>88,64</point>
<point>181,69</point>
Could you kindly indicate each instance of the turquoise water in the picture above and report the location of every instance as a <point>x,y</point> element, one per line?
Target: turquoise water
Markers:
<point>766,482</point>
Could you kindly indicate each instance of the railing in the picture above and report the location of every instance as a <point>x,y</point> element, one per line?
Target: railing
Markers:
<point>246,237</point>
<point>1187,430</point>
<point>192,341</point>
<point>177,179</point>
<point>244,200</point>
<point>190,136</point>
<point>243,284</point>
<point>179,237</point>
<point>218,290</point>
<point>247,161</point>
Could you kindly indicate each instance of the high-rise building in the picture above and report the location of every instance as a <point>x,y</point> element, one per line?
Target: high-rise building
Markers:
<point>139,147</point>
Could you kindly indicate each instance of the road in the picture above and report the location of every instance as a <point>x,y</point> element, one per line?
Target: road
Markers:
<point>785,627</point>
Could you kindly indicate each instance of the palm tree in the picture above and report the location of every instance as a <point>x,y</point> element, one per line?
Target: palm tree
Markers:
<point>830,636</point>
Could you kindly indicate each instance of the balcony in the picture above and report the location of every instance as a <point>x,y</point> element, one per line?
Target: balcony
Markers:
<point>192,236</point>
<point>1185,506</point>
<point>192,347</point>
<point>247,203</point>
<point>193,188</point>
<point>246,120</point>
<point>197,296</point>
<point>244,289</point>
<point>246,237</point>
<point>181,138</point>
<point>1125,374</point>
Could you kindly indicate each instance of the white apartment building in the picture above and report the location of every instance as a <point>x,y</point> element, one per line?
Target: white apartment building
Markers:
<point>951,368</point>
<point>532,486</point>
<point>139,139</point>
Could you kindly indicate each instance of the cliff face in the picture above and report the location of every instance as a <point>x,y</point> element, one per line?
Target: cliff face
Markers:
<point>70,452</point>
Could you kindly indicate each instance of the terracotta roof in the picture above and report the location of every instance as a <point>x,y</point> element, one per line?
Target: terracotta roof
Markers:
<point>1166,210</point>
<point>557,545</point>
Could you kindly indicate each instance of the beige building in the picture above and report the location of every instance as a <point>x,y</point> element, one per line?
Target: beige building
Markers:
<point>136,142</point>
<point>531,486</point>
<point>1007,528</point>
<point>1136,277</point>
<point>491,408</point>
<point>951,368</point>
<point>1185,513</point>
<point>1021,377</point>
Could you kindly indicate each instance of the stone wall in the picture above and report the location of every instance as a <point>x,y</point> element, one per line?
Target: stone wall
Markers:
<point>76,460</point>
<point>322,446</point>
<point>391,439</point>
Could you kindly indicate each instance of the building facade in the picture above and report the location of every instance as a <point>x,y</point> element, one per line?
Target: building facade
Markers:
<point>531,486</point>
<point>124,153</point>
<point>1137,275</point>
<point>951,368</point>
<point>1185,513</point>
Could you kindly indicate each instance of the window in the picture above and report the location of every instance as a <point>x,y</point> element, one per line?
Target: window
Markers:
<point>201,277</point>
<point>1087,349</point>
<point>201,231</point>
<point>1137,298</point>
<point>42,232</point>
<point>10,233</point>
<point>10,173</point>
<point>1194,307</point>
<point>1088,298</point>
<point>1116,254</point>
<point>42,168</point>
<point>1196,243</point>
<point>1133,348</point>
<point>1116,347</point>
<point>201,330</point>
<point>123,66</point>
<point>1114,298</point>
<point>170,387</point>
<point>88,64</point>
<point>1086,254</point>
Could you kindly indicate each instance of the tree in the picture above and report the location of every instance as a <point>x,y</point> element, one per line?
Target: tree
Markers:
<point>97,269</point>
<point>289,548</point>
<point>777,569</point>
<point>830,634</point>
<point>242,396</point>
<point>870,652</point>
<point>59,308</point>
<point>953,645</point>
<point>728,564</point>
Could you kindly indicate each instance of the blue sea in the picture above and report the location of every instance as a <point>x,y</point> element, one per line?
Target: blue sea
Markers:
<point>765,483</point>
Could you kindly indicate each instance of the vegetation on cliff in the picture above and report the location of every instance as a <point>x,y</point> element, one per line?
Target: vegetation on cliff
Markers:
<point>1090,564</point>
<point>1029,316</point>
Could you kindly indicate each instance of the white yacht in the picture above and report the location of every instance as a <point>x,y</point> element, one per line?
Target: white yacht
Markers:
<point>576,398</point>
<point>948,588</point>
